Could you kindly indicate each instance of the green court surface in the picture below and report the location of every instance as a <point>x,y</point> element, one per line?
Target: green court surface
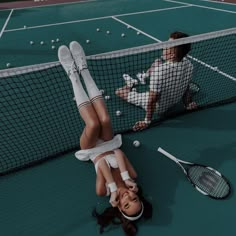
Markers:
<point>56,198</point>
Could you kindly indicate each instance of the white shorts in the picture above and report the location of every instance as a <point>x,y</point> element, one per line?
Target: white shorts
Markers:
<point>138,99</point>
<point>110,160</point>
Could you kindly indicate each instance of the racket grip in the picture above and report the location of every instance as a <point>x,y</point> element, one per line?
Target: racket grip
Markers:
<point>167,154</point>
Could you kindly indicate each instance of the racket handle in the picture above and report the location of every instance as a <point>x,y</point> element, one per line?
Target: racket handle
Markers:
<point>167,154</point>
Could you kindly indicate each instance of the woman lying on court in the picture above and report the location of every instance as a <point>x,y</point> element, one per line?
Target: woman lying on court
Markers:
<point>115,174</point>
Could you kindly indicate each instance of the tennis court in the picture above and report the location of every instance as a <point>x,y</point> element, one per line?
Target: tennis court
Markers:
<point>57,196</point>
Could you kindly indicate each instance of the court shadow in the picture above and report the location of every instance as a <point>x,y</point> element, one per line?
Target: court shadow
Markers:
<point>217,155</point>
<point>210,119</point>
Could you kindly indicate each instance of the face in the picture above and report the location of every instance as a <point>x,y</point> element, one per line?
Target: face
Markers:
<point>129,202</point>
<point>168,53</point>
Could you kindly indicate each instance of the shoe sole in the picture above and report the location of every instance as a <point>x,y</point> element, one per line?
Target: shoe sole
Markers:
<point>78,55</point>
<point>65,58</point>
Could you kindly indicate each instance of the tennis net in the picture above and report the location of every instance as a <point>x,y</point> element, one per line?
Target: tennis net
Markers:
<point>39,118</point>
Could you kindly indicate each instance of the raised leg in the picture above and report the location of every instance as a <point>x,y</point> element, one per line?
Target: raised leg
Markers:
<point>91,131</point>
<point>106,132</point>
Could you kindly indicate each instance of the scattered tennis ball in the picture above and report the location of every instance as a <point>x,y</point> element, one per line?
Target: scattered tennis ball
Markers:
<point>136,143</point>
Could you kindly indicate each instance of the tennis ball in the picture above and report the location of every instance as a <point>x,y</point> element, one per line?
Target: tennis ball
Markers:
<point>118,113</point>
<point>136,143</point>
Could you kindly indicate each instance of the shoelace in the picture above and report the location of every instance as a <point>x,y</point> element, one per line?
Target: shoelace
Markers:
<point>72,69</point>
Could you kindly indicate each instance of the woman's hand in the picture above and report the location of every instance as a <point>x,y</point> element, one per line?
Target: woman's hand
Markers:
<point>113,199</point>
<point>140,125</point>
<point>191,106</point>
<point>131,185</point>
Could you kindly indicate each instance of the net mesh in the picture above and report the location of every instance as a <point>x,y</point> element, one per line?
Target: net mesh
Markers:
<point>208,181</point>
<point>39,118</point>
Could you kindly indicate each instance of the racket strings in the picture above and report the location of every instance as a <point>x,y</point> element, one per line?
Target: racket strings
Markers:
<point>209,181</point>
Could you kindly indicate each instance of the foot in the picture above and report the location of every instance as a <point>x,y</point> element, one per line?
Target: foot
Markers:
<point>78,55</point>
<point>66,60</point>
<point>142,77</point>
<point>130,82</point>
<point>194,88</point>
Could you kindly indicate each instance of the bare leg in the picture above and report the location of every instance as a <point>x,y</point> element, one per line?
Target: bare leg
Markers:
<point>91,131</point>
<point>93,92</point>
<point>106,132</point>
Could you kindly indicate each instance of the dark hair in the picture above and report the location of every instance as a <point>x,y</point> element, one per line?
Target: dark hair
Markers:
<point>112,215</point>
<point>182,50</point>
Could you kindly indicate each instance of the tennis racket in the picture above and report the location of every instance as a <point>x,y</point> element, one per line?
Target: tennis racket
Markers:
<point>206,180</point>
<point>194,88</point>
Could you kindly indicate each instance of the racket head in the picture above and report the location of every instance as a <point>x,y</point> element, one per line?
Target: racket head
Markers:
<point>208,181</point>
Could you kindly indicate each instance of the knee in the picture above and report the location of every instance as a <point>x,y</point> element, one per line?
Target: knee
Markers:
<point>94,125</point>
<point>105,121</point>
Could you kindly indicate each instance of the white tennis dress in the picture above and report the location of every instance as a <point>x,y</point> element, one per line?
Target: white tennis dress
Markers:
<point>101,147</point>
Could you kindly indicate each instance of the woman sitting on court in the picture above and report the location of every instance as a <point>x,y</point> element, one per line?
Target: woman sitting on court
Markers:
<point>115,174</point>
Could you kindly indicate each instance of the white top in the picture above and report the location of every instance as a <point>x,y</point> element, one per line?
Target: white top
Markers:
<point>170,80</point>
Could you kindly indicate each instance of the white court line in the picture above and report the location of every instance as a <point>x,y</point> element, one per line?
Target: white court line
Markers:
<point>6,22</point>
<point>132,27</point>
<point>193,58</point>
<point>200,6</point>
<point>50,5</point>
<point>213,68</point>
<point>98,18</point>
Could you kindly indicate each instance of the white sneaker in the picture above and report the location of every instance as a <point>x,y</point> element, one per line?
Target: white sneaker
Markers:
<point>78,55</point>
<point>66,60</point>
<point>142,77</point>
<point>130,82</point>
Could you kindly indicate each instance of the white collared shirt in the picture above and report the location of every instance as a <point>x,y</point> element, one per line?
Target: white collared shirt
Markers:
<point>170,80</point>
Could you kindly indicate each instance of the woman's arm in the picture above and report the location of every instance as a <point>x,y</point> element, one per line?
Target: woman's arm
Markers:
<point>127,171</point>
<point>105,176</point>
<point>124,164</point>
<point>101,189</point>
<point>187,100</point>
